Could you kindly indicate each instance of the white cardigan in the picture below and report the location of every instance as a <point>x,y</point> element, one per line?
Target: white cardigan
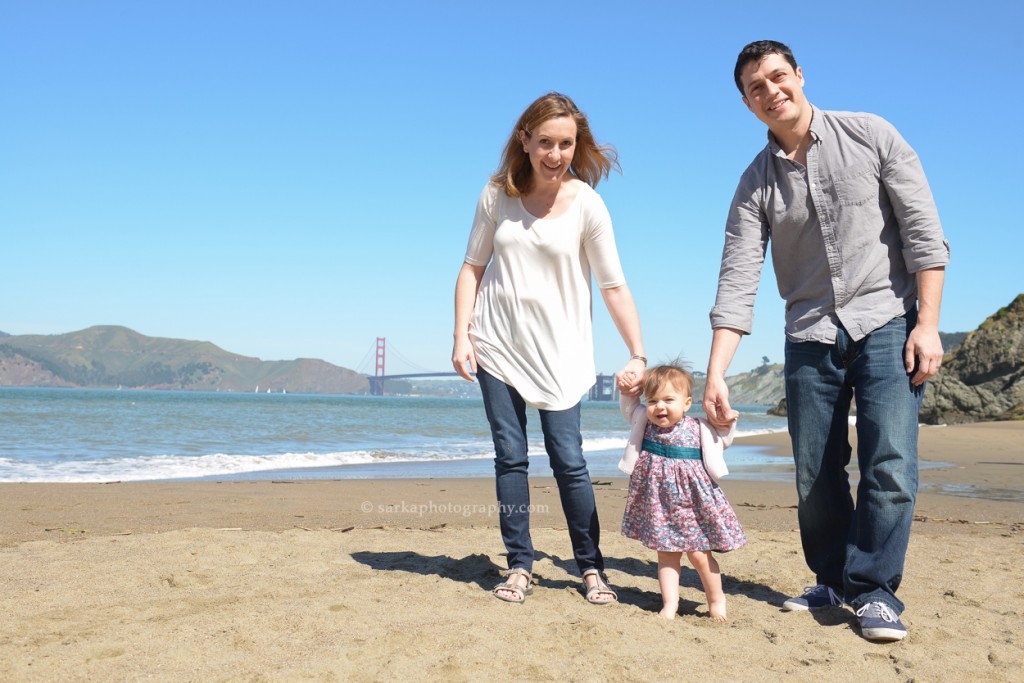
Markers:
<point>712,441</point>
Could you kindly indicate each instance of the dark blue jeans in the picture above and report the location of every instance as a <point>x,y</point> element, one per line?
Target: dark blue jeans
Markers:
<point>857,550</point>
<point>506,413</point>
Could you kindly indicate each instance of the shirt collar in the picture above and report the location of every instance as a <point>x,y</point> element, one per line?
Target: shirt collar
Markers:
<point>816,128</point>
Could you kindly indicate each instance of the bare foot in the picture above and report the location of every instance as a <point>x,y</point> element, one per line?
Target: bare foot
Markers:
<point>716,608</point>
<point>669,611</point>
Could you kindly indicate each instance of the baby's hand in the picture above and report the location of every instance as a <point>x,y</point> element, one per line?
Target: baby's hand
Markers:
<point>626,380</point>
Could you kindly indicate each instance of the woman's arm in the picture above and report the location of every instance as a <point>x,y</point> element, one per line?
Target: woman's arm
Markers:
<point>622,308</point>
<point>466,287</point>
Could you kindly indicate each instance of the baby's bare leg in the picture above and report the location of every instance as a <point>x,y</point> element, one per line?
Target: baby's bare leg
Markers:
<point>668,579</point>
<point>711,578</point>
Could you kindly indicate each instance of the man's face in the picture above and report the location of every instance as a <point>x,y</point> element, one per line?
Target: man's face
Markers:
<point>774,92</point>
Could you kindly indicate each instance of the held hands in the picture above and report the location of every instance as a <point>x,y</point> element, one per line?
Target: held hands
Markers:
<point>626,381</point>
<point>716,403</point>
<point>630,379</point>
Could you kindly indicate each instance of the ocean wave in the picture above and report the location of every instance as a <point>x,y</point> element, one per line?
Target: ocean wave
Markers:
<point>162,467</point>
<point>173,466</point>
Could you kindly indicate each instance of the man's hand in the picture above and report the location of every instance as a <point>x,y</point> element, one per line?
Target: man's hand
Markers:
<point>924,348</point>
<point>923,352</point>
<point>716,403</point>
<point>716,392</point>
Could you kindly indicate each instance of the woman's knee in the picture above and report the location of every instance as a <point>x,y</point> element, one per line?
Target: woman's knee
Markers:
<point>510,456</point>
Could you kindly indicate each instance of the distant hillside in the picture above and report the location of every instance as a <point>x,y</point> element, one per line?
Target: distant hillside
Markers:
<point>762,386</point>
<point>951,340</point>
<point>113,356</point>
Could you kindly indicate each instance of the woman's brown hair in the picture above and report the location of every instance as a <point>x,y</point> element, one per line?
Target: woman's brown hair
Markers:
<point>590,161</point>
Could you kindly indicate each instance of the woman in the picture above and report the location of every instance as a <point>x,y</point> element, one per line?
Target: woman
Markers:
<point>523,322</point>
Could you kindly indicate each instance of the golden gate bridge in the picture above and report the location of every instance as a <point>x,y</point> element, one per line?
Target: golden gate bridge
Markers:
<point>380,374</point>
<point>603,390</point>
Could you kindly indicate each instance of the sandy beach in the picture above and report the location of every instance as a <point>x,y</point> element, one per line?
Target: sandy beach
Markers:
<point>366,580</point>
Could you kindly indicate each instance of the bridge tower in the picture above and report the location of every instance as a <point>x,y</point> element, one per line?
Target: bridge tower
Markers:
<point>377,381</point>
<point>379,371</point>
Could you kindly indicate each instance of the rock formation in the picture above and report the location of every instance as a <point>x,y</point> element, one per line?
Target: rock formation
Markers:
<point>982,379</point>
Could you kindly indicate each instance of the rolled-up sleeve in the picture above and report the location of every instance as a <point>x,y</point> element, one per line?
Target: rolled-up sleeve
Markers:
<point>923,244</point>
<point>746,240</point>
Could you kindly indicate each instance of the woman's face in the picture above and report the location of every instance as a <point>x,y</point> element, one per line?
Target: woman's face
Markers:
<point>550,148</point>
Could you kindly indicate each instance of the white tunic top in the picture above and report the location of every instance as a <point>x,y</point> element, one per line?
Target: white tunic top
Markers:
<point>531,326</point>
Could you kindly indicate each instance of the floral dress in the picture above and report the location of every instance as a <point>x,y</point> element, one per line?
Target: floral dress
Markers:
<point>673,505</point>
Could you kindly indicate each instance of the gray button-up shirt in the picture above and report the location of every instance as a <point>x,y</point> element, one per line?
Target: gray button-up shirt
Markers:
<point>847,232</point>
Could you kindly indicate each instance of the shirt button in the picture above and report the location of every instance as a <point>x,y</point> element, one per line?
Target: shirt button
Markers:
<point>813,185</point>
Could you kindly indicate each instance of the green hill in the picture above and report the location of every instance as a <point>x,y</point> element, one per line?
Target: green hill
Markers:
<point>113,356</point>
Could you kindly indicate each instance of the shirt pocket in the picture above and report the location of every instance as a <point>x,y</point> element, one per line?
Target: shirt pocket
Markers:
<point>856,185</point>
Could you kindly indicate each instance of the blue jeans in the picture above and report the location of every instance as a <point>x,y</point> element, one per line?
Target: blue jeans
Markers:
<point>506,413</point>
<point>858,551</point>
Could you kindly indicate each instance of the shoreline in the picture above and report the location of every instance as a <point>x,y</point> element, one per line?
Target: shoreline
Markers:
<point>985,456</point>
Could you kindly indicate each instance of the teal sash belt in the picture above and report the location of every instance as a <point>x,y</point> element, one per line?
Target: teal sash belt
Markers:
<point>678,452</point>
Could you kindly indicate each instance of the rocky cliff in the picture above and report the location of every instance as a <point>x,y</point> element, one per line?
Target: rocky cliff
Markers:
<point>763,386</point>
<point>983,377</point>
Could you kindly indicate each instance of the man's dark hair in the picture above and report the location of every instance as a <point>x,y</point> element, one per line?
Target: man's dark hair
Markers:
<point>755,52</point>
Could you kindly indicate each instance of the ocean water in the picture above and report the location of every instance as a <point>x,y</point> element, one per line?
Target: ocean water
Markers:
<point>85,435</point>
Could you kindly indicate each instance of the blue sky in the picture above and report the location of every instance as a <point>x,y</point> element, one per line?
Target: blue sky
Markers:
<point>295,179</point>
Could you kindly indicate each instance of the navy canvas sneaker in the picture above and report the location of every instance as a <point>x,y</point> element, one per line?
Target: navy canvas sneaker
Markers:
<point>814,597</point>
<point>878,622</point>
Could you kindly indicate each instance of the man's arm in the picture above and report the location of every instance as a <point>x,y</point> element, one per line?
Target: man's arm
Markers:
<point>746,241</point>
<point>924,348</point>
<point>925,251</point>
<point>924,246</point>
<point>716,394</point>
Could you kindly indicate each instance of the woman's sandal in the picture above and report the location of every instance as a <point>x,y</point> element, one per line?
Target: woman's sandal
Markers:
<point>600,586</point>
<point>520,591</point>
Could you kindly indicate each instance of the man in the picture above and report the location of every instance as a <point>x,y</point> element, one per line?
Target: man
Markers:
<point>860,259</point>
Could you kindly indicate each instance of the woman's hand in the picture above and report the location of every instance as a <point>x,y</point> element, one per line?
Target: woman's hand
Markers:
<point>466,287</point>
<point>630,379</point>
<point>463,358</point>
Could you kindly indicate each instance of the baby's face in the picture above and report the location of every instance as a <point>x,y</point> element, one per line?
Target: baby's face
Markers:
<point>667,405</point>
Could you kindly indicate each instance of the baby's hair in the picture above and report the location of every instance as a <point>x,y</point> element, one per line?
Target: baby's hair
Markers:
<point>675,372</point>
